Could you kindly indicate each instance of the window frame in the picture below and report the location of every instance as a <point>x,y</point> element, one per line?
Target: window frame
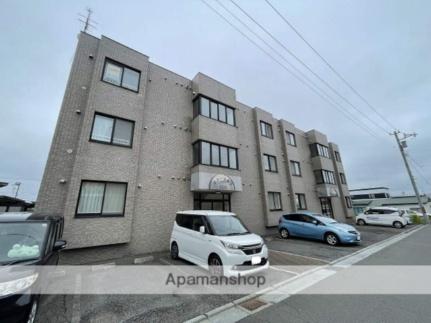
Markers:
<point>322,152</point>
<point>337,156</point>
<point>321,173</point>
<point>281,203</point>
<point>268,158</point>
<point>199,161</point>
<point>113,130</point>
<point>289,134</point>
<point>122,66</point>
<point>197,109</point>
<point>293,168</point>
<point>101,214</point>
<point>343,179</point>
<point>349,203</point>
<point>298,198</point>
<point>267,126</point>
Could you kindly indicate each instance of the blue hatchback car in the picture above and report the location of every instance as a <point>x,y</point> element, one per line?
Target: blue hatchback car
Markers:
<point>316,226</point>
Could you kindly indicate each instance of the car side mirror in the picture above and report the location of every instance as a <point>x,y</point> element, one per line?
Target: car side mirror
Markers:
<point>315,222</point>
<point>59,245</point>
<point>202,229</point>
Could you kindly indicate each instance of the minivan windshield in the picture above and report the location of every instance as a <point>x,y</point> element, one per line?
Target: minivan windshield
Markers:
<point>227,225</point>
<point>21,241</point>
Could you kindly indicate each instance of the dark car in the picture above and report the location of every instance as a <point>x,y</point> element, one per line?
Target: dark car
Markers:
<point>26,239</point>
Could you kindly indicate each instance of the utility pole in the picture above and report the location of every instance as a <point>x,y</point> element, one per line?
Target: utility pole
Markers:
<point>401,145</point>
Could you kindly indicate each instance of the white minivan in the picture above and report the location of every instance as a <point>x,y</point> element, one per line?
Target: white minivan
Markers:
<point>382,216</point>
<point>219,242</point>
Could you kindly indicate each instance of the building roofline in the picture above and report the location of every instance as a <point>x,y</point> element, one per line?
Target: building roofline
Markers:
<point>369,188</point>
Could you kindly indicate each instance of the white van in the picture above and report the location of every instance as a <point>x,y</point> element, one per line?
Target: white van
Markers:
<point>382,216</point>
<point>218,241</point>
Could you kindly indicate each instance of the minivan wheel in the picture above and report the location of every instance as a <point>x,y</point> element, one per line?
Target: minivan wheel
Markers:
<point>284,233</point>
<point>174,251</point>
<point>398,224</point>
<point>360,222</point>
<point>33,311</point>
<point>331,239</point>
<point>215,266</point>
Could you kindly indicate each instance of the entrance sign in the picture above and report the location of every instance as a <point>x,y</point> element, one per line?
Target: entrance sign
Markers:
<point>221,183</point>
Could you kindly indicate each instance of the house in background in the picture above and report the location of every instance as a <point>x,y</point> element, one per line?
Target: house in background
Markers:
<point>380,196</point>
<point>12,204</point>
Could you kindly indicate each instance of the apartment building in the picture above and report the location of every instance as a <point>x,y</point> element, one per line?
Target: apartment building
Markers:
<point>135,143</point>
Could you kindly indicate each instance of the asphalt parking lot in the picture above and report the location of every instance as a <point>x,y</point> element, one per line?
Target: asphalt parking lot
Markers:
<point>175,308</point>
<point>308,252</point>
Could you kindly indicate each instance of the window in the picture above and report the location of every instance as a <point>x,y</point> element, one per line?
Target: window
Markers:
<point>300,202</point>
<point>222,112</point>
<point>291,139</point>
<point>101,199</point>
<point>324,176</point>
<point>274,201</point>
<point>266,129</point>
<point>270,163</point>
<point>326,205</point>
<point>337,156</point>
<point>295,168</point>
<point>319,150</point>
<point>120,75</point>
<point>381,195</point>
<point>343,178</point>
<point>361,197</point>
<point>207,153</point>
<point>215,155</point>
<point>224,160</point>
<point>212,201</point>
<point>348,202</point>
<point>214,110</point>
<point>205,106</point>
<point>294,217</point>
<point>192,222</point>
<point>112,130</point>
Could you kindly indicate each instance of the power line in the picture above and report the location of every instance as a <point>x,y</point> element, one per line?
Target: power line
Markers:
<point>284,67</point>
<point>418,167</point>
<point>330,66</point>
<point>309,68</point>
<point>290,64</point>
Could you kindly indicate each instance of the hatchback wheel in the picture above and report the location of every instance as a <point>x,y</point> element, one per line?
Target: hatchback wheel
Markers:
<point>331,239</point>
<point>284,233</point>
<point>33,311</point>
<point>398,224</point>
<point>174,251</point>
<point>216,266</point>
<point>360,222</point>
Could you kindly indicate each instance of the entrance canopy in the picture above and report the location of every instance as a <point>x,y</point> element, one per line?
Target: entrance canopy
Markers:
<point>209,182</point>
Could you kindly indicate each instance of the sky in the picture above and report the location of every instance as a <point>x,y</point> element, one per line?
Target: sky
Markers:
<point>381,47</point>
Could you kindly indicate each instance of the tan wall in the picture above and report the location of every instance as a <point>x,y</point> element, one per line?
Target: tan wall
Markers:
<point>158,167</point>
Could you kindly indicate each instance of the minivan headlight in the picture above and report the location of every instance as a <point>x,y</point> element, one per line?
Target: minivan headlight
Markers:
<point>17,285</point>
<point>229,245</point>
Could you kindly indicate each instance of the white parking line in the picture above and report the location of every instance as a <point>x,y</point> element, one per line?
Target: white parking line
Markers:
<point>76,305</point>
<point>284,270</point>
<point>294,254</point>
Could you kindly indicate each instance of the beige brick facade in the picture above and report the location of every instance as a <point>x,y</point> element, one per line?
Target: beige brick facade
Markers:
<point>158,168</point>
